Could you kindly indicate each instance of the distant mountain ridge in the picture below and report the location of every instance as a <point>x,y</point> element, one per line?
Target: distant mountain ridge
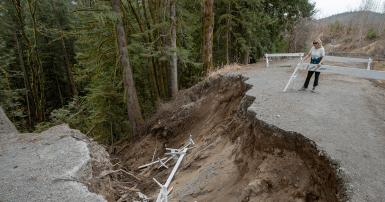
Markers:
<point>346,17</point>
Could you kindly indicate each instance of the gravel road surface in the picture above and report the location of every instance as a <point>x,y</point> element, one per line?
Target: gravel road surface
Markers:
<point>345,117</point>
<point>30,163</point>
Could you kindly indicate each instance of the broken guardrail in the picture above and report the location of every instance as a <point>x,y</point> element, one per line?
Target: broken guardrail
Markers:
<point>370,74</point>
<point>162,197</point>
<point>191,142</point>
<point>163,188</point>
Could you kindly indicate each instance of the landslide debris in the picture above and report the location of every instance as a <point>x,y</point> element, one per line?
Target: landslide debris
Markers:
<point>238,157</point>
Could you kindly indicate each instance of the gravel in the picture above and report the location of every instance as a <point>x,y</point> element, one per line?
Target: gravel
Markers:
<point>345,117</point>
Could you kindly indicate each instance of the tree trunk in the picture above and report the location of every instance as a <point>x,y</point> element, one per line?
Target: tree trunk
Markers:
<point>160,77</point>
<point>167,62</point>
<point>17,5</point>
<point>227,35</point>
<point>246,54</point>
<point>174,70</point>
<point>65,53</point>
<point>32,11</point>
<point>133,108</point>
<point>157,64</point>
<point>161,18</point>
<point>207,35</point>
<point>54,68</point>
<point>150,64</point>
<point>58,87</point>
<point>26,82</point>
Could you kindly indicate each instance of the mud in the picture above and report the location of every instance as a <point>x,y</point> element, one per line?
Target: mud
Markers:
<point>238,157</point>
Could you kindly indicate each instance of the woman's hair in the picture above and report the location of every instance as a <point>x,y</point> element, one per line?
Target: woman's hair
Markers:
<point>318,41</point>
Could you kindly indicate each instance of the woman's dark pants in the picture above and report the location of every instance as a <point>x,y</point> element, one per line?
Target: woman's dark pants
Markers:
<point>309,75</point>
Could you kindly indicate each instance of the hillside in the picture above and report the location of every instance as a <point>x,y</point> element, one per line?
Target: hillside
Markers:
<point>347,17</point>
<point>354,32</point>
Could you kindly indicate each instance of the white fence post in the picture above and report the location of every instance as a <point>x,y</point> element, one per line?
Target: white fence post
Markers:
<point>370,61</point>
<point>267,60</point>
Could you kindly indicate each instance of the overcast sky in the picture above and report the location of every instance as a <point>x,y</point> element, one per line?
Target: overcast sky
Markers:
<point>331,7</point>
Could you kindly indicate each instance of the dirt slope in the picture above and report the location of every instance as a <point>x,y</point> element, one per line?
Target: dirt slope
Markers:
<point>238,157</point>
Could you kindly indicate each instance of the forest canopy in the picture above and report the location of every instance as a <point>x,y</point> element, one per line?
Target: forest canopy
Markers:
<point>103,65</point>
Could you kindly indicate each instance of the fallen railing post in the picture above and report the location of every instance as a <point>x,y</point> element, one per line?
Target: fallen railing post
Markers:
<point>163,191</point>
<point>143,166</point>
<point>293,76</point>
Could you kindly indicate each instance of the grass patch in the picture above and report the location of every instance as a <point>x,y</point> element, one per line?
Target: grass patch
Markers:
<point>223,69</point>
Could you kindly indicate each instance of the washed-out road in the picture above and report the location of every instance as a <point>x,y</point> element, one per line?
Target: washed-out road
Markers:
<point>345,118</point>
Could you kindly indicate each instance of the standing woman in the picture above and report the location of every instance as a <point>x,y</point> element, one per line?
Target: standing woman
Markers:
<point>317,53</point>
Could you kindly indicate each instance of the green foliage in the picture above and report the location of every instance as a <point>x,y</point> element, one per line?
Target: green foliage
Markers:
<point>304,48</point>
<point>74,114</point>
<point>350,27</point>
<point>54,72</point>
<point>336,27</point>
<point>99,72</point>
<point>371,33</point>
<point>11,96</point>
<point>255,26</point>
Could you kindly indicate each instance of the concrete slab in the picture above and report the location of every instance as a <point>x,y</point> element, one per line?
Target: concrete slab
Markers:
<point>30,163</point>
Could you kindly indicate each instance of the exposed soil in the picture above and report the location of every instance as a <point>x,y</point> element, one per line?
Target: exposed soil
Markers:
<point>238,157</point>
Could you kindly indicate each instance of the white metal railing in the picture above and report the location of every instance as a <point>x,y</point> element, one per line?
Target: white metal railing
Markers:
<point>267,55</point>
<point>177,155</point>
<point>345,59</point>
<point>370,74</point>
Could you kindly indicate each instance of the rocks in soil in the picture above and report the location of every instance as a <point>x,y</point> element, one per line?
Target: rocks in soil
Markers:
<point>255,188</point>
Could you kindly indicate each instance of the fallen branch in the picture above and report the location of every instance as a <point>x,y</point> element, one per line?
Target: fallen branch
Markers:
<point>64,179</point>
<point>107,172</point>
<point>156,147</point>
<point>131,189</point>
<point>90,130</point>
<point>219,123</point>
<point>123,198</point>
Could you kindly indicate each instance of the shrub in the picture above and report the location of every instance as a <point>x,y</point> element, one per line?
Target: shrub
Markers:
<point>336,27</point>
<point>371,33</point>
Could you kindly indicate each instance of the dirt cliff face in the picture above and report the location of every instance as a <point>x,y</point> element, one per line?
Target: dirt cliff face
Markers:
<point>6,126</point>
<point>238,157</point>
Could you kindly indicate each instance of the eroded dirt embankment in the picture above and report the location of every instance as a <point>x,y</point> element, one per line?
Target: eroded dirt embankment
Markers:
<point>237,158</point>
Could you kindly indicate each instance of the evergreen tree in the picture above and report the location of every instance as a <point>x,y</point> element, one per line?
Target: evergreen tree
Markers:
<point>116,49</point>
